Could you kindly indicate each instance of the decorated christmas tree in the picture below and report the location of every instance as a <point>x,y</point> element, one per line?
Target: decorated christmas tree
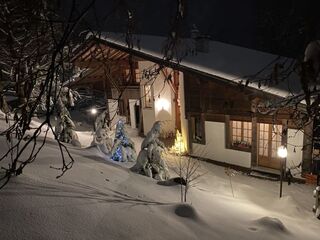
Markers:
<point>123,147</point>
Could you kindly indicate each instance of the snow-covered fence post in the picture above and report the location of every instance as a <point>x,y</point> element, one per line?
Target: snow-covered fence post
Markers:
<point>316,207</point>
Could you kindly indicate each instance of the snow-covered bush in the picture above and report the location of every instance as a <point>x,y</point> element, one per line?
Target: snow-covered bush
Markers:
<point>65,127</point>
<point>102,136</point>
<point>150,159</point>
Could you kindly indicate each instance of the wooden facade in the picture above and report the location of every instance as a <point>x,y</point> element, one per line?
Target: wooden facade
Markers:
<point>208,99</point>
<point>109,70</point>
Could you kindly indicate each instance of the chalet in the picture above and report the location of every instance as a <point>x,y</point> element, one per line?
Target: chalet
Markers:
<point>100,68</point>
<point>205,96</point>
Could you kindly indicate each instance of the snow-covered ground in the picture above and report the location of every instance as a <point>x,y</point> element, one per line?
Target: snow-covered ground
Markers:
<point>98,199</point>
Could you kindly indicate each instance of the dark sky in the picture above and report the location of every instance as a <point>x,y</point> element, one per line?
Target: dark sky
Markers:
<point>223,19</point>
<point>281,27</point>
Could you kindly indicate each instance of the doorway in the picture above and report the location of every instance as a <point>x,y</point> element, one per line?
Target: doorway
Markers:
<point>134,112</point>
<point>269,139</point>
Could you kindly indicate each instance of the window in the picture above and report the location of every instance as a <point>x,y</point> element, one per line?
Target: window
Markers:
<point>269,139</point>
<point>241,135</point>
<point>135,79</point>
<point>138,76</point>
<point>147,94</point>
<point>197,128</point>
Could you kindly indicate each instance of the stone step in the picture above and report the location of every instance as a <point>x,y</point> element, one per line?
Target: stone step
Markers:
<point>264,175</point>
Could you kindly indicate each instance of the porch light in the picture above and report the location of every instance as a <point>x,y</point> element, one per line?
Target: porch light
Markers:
<point>282,152</point>
<point>162,104</point>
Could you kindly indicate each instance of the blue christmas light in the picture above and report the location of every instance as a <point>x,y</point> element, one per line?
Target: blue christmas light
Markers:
<point>117,156</point>
<point>121,141</point>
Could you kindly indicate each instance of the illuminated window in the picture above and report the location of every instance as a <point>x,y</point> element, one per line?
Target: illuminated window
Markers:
<point>147,96</point>
<point>136,78</point>
<point>269,140</point>
<point>241,135</point>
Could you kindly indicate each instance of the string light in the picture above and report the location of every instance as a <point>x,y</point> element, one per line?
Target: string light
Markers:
<point>179,146</point>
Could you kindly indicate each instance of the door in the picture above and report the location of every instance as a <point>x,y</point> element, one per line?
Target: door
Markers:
<point>134,121</point>
<point>269,139</point>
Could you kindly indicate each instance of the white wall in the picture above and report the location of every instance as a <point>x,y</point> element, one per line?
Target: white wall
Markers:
<point>148,115</point>
<point>113,107</point>
<point>295,141</point>
<point>132,103</point>
<point>162,105</point>
<point>148,119</point>
<point>215,147</point>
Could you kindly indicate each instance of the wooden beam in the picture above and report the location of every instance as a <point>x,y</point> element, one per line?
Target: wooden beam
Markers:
<point>254,141</point>
<point>190,131</point>
<point>307,148</point>
<point>176,100</point>
<point>99,52</point>
<point>215,117</point>
<point>82,49</point>
<point>228,134</point>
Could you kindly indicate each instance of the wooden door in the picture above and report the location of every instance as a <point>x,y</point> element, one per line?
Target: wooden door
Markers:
<point>269,139</point>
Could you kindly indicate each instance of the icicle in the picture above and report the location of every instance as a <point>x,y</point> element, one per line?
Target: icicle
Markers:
<point>294,149</point>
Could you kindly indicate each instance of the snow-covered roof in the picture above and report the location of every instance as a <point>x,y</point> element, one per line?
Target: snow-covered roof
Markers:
<point>226,61</point>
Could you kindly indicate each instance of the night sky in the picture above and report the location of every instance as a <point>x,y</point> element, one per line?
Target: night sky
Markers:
<point>281,27</point>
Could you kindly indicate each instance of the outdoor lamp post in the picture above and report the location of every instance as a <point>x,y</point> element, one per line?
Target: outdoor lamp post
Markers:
<point>282,153</point>
<point>93,112</point>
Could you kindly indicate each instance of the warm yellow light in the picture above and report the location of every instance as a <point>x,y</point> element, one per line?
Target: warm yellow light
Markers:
<point>179,145</point>
<point>282,152</point>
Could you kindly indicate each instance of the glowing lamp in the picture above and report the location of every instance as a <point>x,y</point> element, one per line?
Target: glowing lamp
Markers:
<point>162,104</point>
<point>282,152</point>
<point>93,111</point>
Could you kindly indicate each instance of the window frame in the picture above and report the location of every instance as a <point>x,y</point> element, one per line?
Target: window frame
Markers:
<point>193,120</point>
<point>148,99</point>
<point>230,136</point>
<point>274,139</point>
